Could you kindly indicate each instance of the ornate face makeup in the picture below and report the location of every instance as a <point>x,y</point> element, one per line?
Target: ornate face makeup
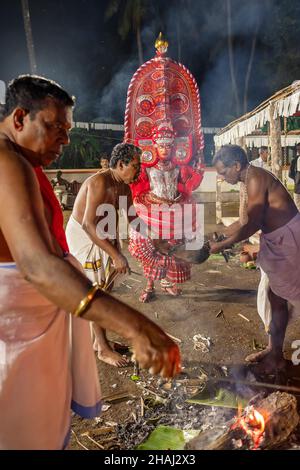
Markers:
<point>164,151</point>
<point>163,138</point>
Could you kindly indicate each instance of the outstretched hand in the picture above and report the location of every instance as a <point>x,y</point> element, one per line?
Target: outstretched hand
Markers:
<point>154,350</point>
<point>215,247</point>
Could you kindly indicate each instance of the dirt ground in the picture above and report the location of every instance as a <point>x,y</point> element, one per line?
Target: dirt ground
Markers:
<point>215,285</point>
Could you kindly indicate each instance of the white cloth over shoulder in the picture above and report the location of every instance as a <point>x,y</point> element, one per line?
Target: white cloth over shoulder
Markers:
<point>263,303</point>
<point>41,376</point>
<point>264,306</point>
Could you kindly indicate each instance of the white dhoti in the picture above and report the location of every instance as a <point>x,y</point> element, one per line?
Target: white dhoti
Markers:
<point>41,376</point>
<point>96,263</point>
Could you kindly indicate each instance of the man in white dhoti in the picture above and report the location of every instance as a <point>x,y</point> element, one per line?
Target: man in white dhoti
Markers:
<point>269,208</point>
<point>41,377</point>
<point>98,251</point>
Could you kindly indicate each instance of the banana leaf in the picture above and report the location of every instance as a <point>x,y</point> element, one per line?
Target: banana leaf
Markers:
<point>167,438</point>
<point>222,397</point>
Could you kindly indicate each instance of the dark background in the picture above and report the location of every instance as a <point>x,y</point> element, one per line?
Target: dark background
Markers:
<point>90,47</point>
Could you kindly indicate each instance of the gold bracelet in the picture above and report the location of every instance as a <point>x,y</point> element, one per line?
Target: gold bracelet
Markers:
<point>85,302</point>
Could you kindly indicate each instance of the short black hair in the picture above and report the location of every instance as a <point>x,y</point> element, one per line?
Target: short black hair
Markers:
<point>263,147</point>
<point>231,154</point>
<point>125,153</point>
<point>30,92</point>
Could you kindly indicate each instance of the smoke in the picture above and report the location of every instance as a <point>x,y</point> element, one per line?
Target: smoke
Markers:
<point>110,107</point>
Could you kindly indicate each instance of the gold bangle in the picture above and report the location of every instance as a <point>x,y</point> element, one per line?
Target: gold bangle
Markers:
<point>85,302</point>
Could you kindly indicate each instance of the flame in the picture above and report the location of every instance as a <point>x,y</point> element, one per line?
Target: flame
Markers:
<point>252,423</point>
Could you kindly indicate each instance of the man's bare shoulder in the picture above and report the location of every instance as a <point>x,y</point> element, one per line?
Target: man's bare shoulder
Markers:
<point>260,176</point>
<point>11,161</point>
<point>101,179</point>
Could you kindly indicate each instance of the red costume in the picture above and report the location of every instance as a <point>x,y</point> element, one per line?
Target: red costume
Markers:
<point>163,119</point>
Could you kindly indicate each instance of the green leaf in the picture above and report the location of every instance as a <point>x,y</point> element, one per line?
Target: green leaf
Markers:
<point>218,397</point>
<point>167,438</point>
<point>135,378</point>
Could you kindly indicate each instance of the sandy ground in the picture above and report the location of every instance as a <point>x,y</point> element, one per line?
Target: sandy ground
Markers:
<point>214,285</point>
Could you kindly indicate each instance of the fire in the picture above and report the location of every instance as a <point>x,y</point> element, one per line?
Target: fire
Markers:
<point>252,423</point>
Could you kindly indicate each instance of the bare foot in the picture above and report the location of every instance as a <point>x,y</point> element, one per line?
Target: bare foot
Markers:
<point>172,290</point>
<point>258,356</point>
<point>113,358</point>
<point>268,361</point>
<point>146,295</point>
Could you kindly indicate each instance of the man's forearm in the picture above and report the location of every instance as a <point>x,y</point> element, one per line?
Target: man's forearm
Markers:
<point>231,229</point>
<point>244,232</point>
<point>65,287</point>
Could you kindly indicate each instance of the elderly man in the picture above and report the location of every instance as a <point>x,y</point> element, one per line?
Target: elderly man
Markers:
<point>262,160</point>
<point>267,207</point>
<point>39,376</point>
<point>99,252</point>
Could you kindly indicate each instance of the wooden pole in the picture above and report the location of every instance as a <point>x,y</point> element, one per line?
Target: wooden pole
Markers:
<point>275,143</point>
<point>218,200</point>
<point>218,196</point>
<point>241,141</point>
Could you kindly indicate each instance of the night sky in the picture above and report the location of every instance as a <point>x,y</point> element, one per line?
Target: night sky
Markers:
<point>76,46</point>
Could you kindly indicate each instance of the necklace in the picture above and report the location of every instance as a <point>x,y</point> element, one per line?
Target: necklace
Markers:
<point>243,213</point>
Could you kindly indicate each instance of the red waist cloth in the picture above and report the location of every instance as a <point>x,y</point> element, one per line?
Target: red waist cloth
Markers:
<point>52,204</point>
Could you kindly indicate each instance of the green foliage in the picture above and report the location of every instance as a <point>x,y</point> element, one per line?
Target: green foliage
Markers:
<point>82,152</point>
<point>131,13</point>
<point>282,36</point>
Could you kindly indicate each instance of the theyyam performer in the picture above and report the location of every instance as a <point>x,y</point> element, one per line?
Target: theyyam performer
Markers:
<point>163,119</point>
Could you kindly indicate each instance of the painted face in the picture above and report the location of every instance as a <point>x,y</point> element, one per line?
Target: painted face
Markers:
<point>164,151</point>
<point>130,172</point>
<point>47,133</point>
<point>229,173</point>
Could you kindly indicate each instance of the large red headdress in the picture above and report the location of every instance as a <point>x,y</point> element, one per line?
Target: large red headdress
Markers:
<point>163,103</point>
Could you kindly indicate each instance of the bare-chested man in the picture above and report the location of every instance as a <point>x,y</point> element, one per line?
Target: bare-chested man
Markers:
<point>269,208</point>
<point>101,257</point>
<point>40,377</point>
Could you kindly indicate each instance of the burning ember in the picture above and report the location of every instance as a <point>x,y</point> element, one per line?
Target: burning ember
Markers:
<point>253,425</point>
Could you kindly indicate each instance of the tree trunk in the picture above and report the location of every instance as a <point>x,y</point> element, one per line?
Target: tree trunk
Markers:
<point>29,37</point>
<point>241,141</point>
<point>231,61</point>
<point>218,200</point>
<point>249,68</point>
<point>139,44</point>
<point>275,141</point>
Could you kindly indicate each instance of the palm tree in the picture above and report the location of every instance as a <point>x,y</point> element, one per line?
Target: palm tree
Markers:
<point>132,14</point>
<point>231,59</point>
<point>29,37</point>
